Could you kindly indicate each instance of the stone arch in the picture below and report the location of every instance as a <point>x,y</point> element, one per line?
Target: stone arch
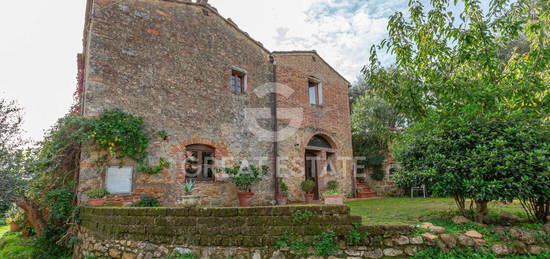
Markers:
<point>179,152</point>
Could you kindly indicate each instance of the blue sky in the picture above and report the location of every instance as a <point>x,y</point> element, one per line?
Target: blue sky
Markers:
<point>40,41</point>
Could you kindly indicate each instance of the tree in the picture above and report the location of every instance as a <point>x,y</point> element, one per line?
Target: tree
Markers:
<point>374,123</point>
<point>479,62</point>
<point>485,159</point>
<point>12,154</point>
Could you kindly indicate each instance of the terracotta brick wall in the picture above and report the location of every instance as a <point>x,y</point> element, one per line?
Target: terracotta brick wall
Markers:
<point>330,120</point>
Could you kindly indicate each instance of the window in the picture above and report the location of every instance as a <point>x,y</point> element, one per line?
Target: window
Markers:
<point>318,141</point>
<point>239,81</point>
<point>199,163</point>
<point>118,180</point>
<point>330,162</point>
<point>315,92</point>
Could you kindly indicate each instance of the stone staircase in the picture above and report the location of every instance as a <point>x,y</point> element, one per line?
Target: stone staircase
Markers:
<point>364,192</point>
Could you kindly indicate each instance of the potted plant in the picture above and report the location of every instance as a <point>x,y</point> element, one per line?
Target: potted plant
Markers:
<point>308,186</point>
<point>282,198</point>
<point>97,197</point>
<point>244,178</point>
<point>189,199</point>
<point>12,217</point>
<point>333,196</point>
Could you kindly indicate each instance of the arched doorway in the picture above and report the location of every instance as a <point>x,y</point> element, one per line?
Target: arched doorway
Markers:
<point>319,155</point>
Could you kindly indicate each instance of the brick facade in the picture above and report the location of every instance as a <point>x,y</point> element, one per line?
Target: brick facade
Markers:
<point>170,62</point>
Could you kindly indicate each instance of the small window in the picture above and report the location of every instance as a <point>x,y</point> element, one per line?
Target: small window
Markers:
<point>118,180</point>
<point>315,92</point>
<point>199,163</point>
<point>239,81</point>
<point>330,162</point>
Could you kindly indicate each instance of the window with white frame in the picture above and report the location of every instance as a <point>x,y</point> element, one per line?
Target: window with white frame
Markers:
<point>118,180</point>
<point>315,91</point>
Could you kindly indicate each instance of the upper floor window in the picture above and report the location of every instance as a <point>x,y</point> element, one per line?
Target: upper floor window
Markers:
<point>315,91</point>
<point>239,80</point>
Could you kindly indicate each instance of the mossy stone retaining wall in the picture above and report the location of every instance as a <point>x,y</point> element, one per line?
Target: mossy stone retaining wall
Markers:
<point>234,227</point>
<point>251,232</point>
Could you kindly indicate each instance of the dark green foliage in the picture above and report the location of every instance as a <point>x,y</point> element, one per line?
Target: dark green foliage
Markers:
<point>302,215</point>
<point>332,185</point>
<point>374,123</point>
<point>355,236</point>
<point>147,201</point>
<point>245,177</point>
<point>119,133</point>
<point>378,173</point>
<point>325,244</point>
<point>468,253</point>
<point>283,187</point>
<point>484,159</point>
<point>307,186</point>
<point>163,164</point>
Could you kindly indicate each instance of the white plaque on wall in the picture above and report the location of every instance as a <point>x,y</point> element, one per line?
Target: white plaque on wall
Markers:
<point>119,179</point>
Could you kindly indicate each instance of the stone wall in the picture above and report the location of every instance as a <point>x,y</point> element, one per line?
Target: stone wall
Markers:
<point>385,187</point>
<point>170,63</point>
<point>257,232</point>
<point>251,232</point>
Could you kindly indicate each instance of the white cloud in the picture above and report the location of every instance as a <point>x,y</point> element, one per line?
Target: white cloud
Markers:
<point>342,31</point>
<point>40,40</point>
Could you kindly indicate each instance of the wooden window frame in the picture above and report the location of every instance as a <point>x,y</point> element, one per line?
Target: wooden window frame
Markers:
<point>201,149</point>
<point>239,76</point>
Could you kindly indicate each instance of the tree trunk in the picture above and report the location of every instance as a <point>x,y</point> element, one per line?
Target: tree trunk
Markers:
<point>481,210</point>
<point>33,215</point>
<point>461,204</point>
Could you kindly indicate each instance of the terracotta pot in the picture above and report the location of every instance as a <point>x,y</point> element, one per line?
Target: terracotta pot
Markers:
<point>96,202</point>
<point>245,198</point>
<point>14,227</point>
<point>309,197</point>
<point>334,199</point>
<point>282,200</point>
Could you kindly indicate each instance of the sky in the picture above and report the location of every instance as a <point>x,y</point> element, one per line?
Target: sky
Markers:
<point>39,41</point>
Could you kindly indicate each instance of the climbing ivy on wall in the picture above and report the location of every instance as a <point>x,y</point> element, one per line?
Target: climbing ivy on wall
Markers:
<point>122,135</point>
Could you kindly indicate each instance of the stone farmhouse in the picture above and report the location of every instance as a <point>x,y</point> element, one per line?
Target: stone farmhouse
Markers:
<point>195,75</point>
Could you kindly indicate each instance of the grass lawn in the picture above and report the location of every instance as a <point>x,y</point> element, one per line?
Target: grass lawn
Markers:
<point>13,246</point>
<point>414,210</point>
<point>4,229</point>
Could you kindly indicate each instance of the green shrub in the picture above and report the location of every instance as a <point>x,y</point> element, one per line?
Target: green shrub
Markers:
<point>301,216</point>
<point>147,201</point>
<point>484,159</point>
<point>307,186</point>
<point>378,173</point>
<point>97,193</point>
<point>325,244</point>
<point>283,187</point>
<point>245,177</point>
<point>332,185</point>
